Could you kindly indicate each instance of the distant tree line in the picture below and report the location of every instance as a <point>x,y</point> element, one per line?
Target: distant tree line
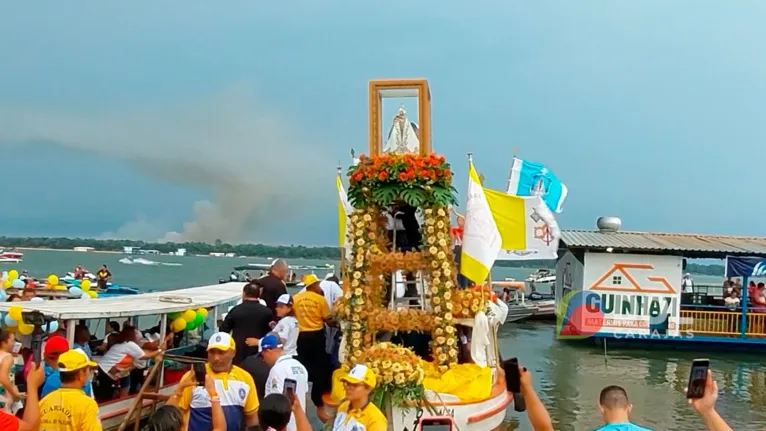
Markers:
<point>256,250</point>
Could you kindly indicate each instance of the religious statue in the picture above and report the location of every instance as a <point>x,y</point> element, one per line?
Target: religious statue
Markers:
<point>403,136</point>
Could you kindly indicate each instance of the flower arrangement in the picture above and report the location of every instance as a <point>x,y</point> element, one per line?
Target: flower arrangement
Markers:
<point>400,375</point>
<point>414,179</point>
<point>441,267</point>
<point>467,302</point>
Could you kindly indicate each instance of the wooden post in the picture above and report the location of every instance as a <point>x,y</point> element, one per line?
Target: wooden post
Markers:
<point>139,398</point>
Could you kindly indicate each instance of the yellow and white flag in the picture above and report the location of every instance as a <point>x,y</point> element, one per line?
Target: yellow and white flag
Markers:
<point>495,222</point>
<point>344,212</point>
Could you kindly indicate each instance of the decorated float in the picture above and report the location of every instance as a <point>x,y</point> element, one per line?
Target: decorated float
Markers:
<point>404,181</point>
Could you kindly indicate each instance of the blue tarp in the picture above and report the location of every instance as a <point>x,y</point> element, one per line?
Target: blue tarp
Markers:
<point>745,266</point>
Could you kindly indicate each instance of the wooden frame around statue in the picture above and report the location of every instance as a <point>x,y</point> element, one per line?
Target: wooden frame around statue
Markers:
<point>417,87</point>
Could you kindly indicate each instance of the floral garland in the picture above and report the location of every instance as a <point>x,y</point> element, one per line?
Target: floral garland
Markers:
<point>440,263</point>
<point>414,179</point>
<point>399,372</point>
<point>467,302</point>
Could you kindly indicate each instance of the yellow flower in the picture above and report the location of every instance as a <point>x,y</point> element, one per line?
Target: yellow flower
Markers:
<point>359,225</point>
<point>431,240</point>
<point>440,255</point>
<point>435,264</point>
<point>399,379</point>
<point>449,306</point>
<point>430,229</point>
<point>448,284</point>
<point>433,250</point>
<point>386,364</point>
<point>437,309</point>
<point>440,235</point>
<point>447,272</point>
<point>447,295</point>
<point>356,335</point>
<point>355,343</point>
<point>442,358</point>
<point>358,291</point>
<point>396,367</point>
<point>445,265</point>
<point>429,221</point>
<point>442,242</point>
<point>356,326</point>
<point>367,217</point>
<point>450,329</point>
<point>434,290</point>
<point>357,275</point>
<point>347,295</point>
<point>441,212</point>
<point>440,224</point>
<point>438,331</point>
<point>360,242</point>
<point>474,308</point>
<point>428,211</point>
<point>436,300</point>
<point>451,342</point>
<point>354,283</point>
<point>441,340</point>
<point>359,264</point>
<point>355,318</point>
<point>354,218</point>
<point>448,316</point>
<point>357,353</point>
<point>453,352</point>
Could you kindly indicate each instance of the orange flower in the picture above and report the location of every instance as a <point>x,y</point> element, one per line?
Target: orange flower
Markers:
<point>382,175</point>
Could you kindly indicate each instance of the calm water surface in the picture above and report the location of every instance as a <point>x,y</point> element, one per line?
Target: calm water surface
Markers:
<point>568,378</point>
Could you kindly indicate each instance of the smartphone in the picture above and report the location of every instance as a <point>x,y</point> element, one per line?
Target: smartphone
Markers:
<point>16,348</point>
<point>512,376</point>
<point>698,378</point>
<point>199,373</point>
<point>289,389</point>
<point>436,423</point>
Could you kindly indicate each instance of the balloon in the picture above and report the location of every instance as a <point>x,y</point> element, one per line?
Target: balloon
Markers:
<point>85,296</point>
<point>175,315</point>
<point>18,284</point>
<point>74,290</point>
<point>15,313</point>
<point>85,285</point>
<point>36,299</point>
<point>53,327</point>
<point>189,315</point>
<point>178,324</point>
<point>53,280</point>
<point>13,274</point>
<point>3,296</point>
<point>190,325</point>
<point>92,294</point>
<point>25,329</point>
<point>203,312</point>
<point>9,322</point>
<point>198,320</point>
<point>59,287</point>
<point>7,284</point>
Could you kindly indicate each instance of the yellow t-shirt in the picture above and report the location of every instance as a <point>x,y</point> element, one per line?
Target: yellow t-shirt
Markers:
<point>369,418</point>
<point>236,390</point>
<point>69,410</point>
<point>311,310</point>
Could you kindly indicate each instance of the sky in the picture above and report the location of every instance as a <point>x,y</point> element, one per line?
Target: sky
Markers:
<point>202,120</point>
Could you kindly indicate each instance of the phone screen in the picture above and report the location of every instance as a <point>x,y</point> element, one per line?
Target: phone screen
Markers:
<point>436,424</point>
<point>697,378</point>
<point>199,373</point>
<point>289,389</point>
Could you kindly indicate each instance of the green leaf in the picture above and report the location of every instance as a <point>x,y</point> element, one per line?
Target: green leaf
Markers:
<point>383,196</point>
<point>414,197</point>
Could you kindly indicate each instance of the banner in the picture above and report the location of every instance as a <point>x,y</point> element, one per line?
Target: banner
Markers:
<point>529,178</point>
<point>745,266</point>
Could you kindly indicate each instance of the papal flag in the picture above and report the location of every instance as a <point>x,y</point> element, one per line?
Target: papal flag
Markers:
<point>344,211</point>
<point>496,221</point>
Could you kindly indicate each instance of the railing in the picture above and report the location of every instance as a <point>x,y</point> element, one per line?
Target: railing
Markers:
<point>720,321</point>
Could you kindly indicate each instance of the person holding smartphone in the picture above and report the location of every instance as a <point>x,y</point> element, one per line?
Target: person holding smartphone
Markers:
<point>287,375</point>
<point>277,411</point>
<point>705,406</point>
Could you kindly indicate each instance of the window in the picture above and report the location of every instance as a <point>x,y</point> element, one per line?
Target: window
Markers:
<point>616,280</point>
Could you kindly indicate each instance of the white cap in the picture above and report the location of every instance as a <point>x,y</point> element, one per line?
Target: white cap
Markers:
<point>285,299</point>
<point>220,341</point>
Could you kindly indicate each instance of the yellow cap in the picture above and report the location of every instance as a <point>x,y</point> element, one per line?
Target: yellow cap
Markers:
<point>360,374</point>
<point>310,279</point>
<point>74,360</point>
<point>221,341</point>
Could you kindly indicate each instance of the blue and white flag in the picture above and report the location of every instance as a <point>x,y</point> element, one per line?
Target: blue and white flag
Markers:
<point>527,176</point>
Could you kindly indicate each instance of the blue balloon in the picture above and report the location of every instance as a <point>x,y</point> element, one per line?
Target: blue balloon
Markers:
<point>75,291</point>
<point>3,295</point>
<point>10,322</point>
<point>18,284</point>
<point>84,296</point>
<point>53,327</point>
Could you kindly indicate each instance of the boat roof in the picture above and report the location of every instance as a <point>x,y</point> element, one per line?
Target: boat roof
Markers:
<point>142,304</point>
<point>293,267</point>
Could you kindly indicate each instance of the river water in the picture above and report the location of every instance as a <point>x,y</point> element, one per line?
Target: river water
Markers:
<point>568,378</point>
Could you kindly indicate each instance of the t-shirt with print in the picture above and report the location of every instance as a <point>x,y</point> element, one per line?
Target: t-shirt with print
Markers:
<point>69,410</point>
<point>311,310</point>
<point>287,329</point>
<point>120,359</point>
<point>368,418</point>
<point>236,390</point>
<point>624,426</point>
<point>287,367</point>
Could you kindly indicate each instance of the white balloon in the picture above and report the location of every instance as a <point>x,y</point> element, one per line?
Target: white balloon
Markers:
<point>36,299</point>
<point>53,327</point>
<point>85,296</point>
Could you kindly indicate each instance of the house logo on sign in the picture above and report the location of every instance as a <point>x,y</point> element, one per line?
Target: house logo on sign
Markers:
<point>620,278</point>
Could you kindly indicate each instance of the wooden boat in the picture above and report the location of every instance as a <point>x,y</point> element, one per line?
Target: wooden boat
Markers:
<point>155,304</point>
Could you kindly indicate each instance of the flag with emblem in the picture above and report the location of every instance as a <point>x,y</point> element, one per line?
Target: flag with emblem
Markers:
<point>496,222</point>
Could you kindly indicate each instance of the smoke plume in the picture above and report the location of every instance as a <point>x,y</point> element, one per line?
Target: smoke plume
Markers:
<point>256,164</point>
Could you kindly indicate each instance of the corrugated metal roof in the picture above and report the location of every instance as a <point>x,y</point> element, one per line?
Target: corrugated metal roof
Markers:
<point>666,242</point>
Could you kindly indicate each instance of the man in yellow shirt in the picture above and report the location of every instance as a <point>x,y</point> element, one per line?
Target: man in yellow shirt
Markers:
<point>312,311</point>
<point>234,390</point>
<point>357,412</point>
<point>68,408</point>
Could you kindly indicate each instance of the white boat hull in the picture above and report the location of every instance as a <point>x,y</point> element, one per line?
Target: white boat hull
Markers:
<point>10,260</point>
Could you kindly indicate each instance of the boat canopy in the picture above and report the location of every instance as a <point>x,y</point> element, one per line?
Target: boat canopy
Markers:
<point>142,304</point>
<point>266,266</point>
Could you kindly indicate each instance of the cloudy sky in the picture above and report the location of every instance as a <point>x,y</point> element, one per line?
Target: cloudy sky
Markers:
<point>203,120</point>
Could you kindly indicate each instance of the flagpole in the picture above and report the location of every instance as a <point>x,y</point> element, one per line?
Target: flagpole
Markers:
<point>343,247</point>
<point>510,173</point>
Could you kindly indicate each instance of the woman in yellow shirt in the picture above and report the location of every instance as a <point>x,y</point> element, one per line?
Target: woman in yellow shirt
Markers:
<point>312,311</point>
<point>357,412</point>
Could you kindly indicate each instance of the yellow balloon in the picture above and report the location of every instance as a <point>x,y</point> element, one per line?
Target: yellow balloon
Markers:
<point>178,325</point>
<point>13,274</point>
<point>92,294</point>
<point>53,280</point>
<point>15,313</point>
<point>189,315</point>
<point>7,284</point>
<point>85,285</point>
<point>25,329</point>
<point>59,287</point>
<point>203,312</point>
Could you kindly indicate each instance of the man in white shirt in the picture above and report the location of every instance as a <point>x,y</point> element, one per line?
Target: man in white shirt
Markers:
<point>283,367</point>
<point>687,284</point>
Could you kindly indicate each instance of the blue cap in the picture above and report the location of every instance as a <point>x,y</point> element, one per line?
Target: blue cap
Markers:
<point>270,341</point>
